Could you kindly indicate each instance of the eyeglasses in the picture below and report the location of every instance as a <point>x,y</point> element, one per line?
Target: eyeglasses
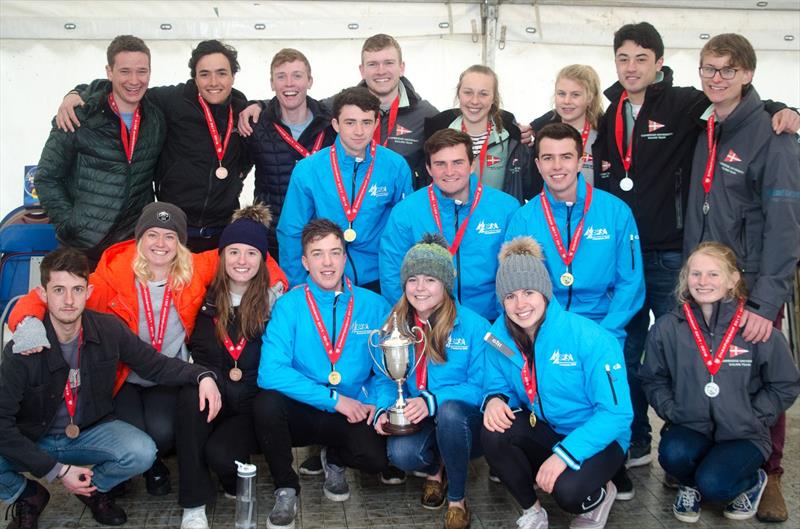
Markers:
<point>708,72</point>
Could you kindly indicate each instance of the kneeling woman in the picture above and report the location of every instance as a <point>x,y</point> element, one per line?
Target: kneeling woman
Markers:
<point>717,393</point>
<point>557,409</point>
<point>444,392</point>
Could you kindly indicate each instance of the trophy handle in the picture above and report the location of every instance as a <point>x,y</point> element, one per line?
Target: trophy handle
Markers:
<point>370,346</point>
<point>414,330</point>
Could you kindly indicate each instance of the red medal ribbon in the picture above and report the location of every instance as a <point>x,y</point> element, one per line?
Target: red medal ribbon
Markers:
<point>529,380</point>
<point>376,136</point>
<point>334,353</point>
<point>70,397</point>
<point>484,147</point>
<point>156,340</point>
<point>351,211</point>
<point>713,363</point>
<point>708,176</point>
<point>294,144</point>
<point>587,128</point>
<point>566,256</point>
<point>422,367</point>
<point>127,144</point>
<point>463,228</point>
<point>219,146</point>
<point>234,350</point>
<point>619,131</point>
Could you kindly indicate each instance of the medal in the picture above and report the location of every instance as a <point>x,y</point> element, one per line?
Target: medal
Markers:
<point>334,378</point>
<point>532,420</point>
<point>128,144</point>
<point>567,256</point>
<point>711,389</point>
<point>349,235</point>
<point>484,147</point>
<point>235,374</point>
<point>72,430</point>
<point>626,184</point>
<point>220,146</point>
<point>221,173</point>
<point>350,212</point>
<point>711,162</point>
<point>376,136</point>
<point>461,229</point>
<point>235,351</point>
<point>333,352</point>
<point>294,144</point>
<point>157,340</point>
<point>567,279</point>
<point>529,383</point>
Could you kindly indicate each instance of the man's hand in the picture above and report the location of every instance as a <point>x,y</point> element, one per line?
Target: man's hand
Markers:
<point>756,328</point>
<point>549,472</point>
<point>208,391</point>
<point>354,410</point>
<point>253,111</point>
<point>380,423</point>
<point>786,120</point>
<point>497,417</point>
<point>416,409</point>
<point>66,119</point>
<point>78,480</point>
<point>527,134</point>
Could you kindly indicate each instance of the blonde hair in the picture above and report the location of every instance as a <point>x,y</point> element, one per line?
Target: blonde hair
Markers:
<point>441,325</point>
<point>494,111</point>
<point>587,77</point>
<point>180,272</point>
<point>725,257</point>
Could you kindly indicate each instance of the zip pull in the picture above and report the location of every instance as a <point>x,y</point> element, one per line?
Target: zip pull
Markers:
<point>611,384</point>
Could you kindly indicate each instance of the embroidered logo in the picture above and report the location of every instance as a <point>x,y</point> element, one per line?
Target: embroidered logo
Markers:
<point>562,359</point>
<point>456,344</point>
<point>378,191</point>
<point>401,131</point>
<point>605,165</point>
<point>487,228</point>
<point>735,351</point>
<point>596,234</point>
<point>163,216</point>
<point>492,160</point>
<point>732,157</point>
<point>360,328</point>
<point>653,126</point>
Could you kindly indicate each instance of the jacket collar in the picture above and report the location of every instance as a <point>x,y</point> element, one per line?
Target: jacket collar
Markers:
<point>190,92</point>
<point>347,161</point>
<point>447,202</point>
<point>614,91</point>
<point>53,355</point>
<point>273,110</point>
<point>750,103</point>
<point>326,297</point>
<point>580,197</point>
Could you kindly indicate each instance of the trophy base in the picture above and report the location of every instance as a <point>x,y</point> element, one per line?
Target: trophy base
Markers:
<point>401,429</point>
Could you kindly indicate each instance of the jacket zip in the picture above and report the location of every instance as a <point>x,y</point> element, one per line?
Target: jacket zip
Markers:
<point>536,372</point>
<point>456,208</point>
<point>679,199</point>
<point>569,238</point>
<point>743,239</point>
<point>611,384</point>
<point>333,333</point>
<point>347,244</point>
<point>633,255</point>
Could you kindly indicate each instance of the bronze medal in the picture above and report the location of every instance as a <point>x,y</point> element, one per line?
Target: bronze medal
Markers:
<point>235,374</point>
<point>349,235</point>
<point>334,378</point>
<point>221,173</point>
<point>72,430</point>
<point>533,420</point>
<point>567,279</point>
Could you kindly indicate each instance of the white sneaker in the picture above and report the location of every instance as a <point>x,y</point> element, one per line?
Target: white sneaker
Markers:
<point>194,518</point>
<point>533,518</point>
<point>597,517</point>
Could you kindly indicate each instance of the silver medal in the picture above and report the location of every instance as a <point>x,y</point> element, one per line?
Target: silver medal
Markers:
<point>711,389</point>
<point>626,184</point>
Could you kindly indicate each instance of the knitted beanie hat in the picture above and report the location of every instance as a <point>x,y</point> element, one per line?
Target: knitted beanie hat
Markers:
<point>161,215</point>
<point>430,257</point>
<point>522,268</point>
<point>249,226</point>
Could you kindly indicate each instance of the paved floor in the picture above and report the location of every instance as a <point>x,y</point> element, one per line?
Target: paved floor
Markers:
<point>373,505</point>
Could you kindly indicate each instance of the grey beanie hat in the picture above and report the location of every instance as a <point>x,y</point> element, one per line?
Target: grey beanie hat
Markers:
<point>162,215</point>
<point>431,257</point>
<point>522,268</point>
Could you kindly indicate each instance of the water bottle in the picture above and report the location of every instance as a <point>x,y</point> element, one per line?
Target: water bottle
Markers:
<point>246,513</point>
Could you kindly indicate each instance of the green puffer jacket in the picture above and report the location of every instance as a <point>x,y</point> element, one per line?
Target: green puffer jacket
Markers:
<point>91,193</point>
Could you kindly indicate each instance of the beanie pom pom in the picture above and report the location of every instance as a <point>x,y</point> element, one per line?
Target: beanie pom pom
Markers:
<point>521,246</point>
<point>434,238</point>
<point>258,212</point>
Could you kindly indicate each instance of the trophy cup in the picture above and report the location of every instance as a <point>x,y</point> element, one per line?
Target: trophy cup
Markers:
<point>394,364</point>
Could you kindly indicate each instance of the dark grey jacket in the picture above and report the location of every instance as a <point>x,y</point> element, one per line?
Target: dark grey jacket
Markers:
<point>756,381</point>
<point>754,204</point>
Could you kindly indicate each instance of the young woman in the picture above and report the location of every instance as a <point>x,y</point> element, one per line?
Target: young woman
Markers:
<point>227,340</point>
<point>156,286</point>
<point>501,160</point>
<point>718,393</point>
<point>578,102</point>
<point>557,410</point>
<point>443,395</point>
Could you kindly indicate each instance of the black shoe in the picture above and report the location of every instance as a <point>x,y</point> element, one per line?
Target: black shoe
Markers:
<point>121,489</point>
<point>393,476</point>
<point>103,508</point>
<point>157,479</point>
<point>25,511</point>
<point>622,481</point>
<point>312,466</point>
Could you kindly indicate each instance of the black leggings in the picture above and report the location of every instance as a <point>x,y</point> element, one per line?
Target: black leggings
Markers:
<point>150,409</point>
<point>516,455</point>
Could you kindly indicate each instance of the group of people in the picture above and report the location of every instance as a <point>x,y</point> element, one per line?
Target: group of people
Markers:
<point>524,260</point>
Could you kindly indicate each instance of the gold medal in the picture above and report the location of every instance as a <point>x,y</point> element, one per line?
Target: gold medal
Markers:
<point>349,235</point>
<point>221,173</point>
<point>567,279</point>
<point>533,420</point>
<point>334,378</point>
<point>235,374</point>
<point>72,430</point>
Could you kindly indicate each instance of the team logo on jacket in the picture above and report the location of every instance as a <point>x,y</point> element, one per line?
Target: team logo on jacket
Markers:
<point>562,359</point>
<point>605,165</point>
<point>492,160</point>
<point>487,228</point>
<point>596,234</point>
<point>359,328</point>
<point>402,131</point>
<point>732,157</point>
<point>456,344</point>
<point>653,126</point>
<point>378,191</point>
<point>735,351</point>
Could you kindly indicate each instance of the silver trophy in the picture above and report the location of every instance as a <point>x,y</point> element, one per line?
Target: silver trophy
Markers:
<point>394,363</point>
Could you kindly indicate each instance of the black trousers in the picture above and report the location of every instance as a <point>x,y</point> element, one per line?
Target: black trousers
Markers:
<point>152,410</point>
<point>516,455</point>
<point>216,445</point>
<point>282,423</point>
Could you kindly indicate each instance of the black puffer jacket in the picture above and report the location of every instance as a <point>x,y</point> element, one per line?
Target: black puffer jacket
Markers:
<point>275,159</point>
<point>84,181</point>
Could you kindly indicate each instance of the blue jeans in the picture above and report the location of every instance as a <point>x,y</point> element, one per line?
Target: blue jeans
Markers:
<point>117,450</point>
<point>721,471</point>
<point>660,277</point>
<point>453,436</point>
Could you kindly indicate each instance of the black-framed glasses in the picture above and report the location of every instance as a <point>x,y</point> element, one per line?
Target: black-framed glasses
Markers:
<point>727,73</point>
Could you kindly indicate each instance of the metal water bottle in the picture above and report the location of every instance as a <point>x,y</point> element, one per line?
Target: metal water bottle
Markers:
<point>246,512</point>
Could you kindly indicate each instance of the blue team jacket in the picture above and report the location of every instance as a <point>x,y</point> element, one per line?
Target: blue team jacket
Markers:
<point>293,359</point>
<point>609,279</point>
<point>476,259</point>
<point>581,379</point>
<point>312,194</point>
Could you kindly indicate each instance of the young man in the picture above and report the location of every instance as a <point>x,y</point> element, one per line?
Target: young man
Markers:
<point>56,406</point>
<point>315,368</point>
<point>643,156</point>
<point>472,217</point>
<point>203,162</point>
<point>745,193</point>
<point>94,183</point>
<point>355,183</point>
<point>292,127</point>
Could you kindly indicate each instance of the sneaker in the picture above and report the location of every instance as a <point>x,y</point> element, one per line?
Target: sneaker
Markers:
<point>622,481</point>
<point>25,511</point>
<point>103,508</point>
<point>393,476</point>
<point>533,518</point>
<point>687,504</point>
<point>671,482</point>
<point>285,509</point>
<point>434,493</point>
<point>157,479</point>
<point>773,507</point>
<point>597,517</point>
<point>456,517</point>
<point>194,518</point>
<point>639,455</point>
<point>312,466</point>
<point>745,505</point>
<point>335,486</point>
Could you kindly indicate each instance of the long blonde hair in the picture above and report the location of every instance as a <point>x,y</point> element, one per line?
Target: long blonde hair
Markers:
<point>441,325</point>
<point>180,272</point>
<point>587,77</point>
<point>725,257</point>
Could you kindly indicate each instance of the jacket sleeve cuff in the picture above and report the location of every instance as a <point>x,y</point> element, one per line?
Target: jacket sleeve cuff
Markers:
<point>565,456</point>
<point>487,398</point>
<point>430,400</point>
<point>54,472</point>
<point>206,374</point>
<point>378,413</point>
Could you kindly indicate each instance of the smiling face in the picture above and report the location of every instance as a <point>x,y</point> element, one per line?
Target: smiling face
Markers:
<point>241,263</point>
<point>381,70</point>
<point>214,78</point>
<point>425,294</point>
<point>159,247</point>
<point>725,94</point>
<point>708,279</point>
<point>325,260</point>
<point>637,68</point>
<point>290,81</point>
<point>558,162</point>
<point>571,102</point>
<point>526,308</point>
<point>475,97</point>
<point>129,76</point>
<point>450,169</point>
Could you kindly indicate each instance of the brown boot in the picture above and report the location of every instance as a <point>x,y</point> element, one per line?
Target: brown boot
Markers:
<point>25,512</point>
<point>772,507</point>
<point>457,518</point>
